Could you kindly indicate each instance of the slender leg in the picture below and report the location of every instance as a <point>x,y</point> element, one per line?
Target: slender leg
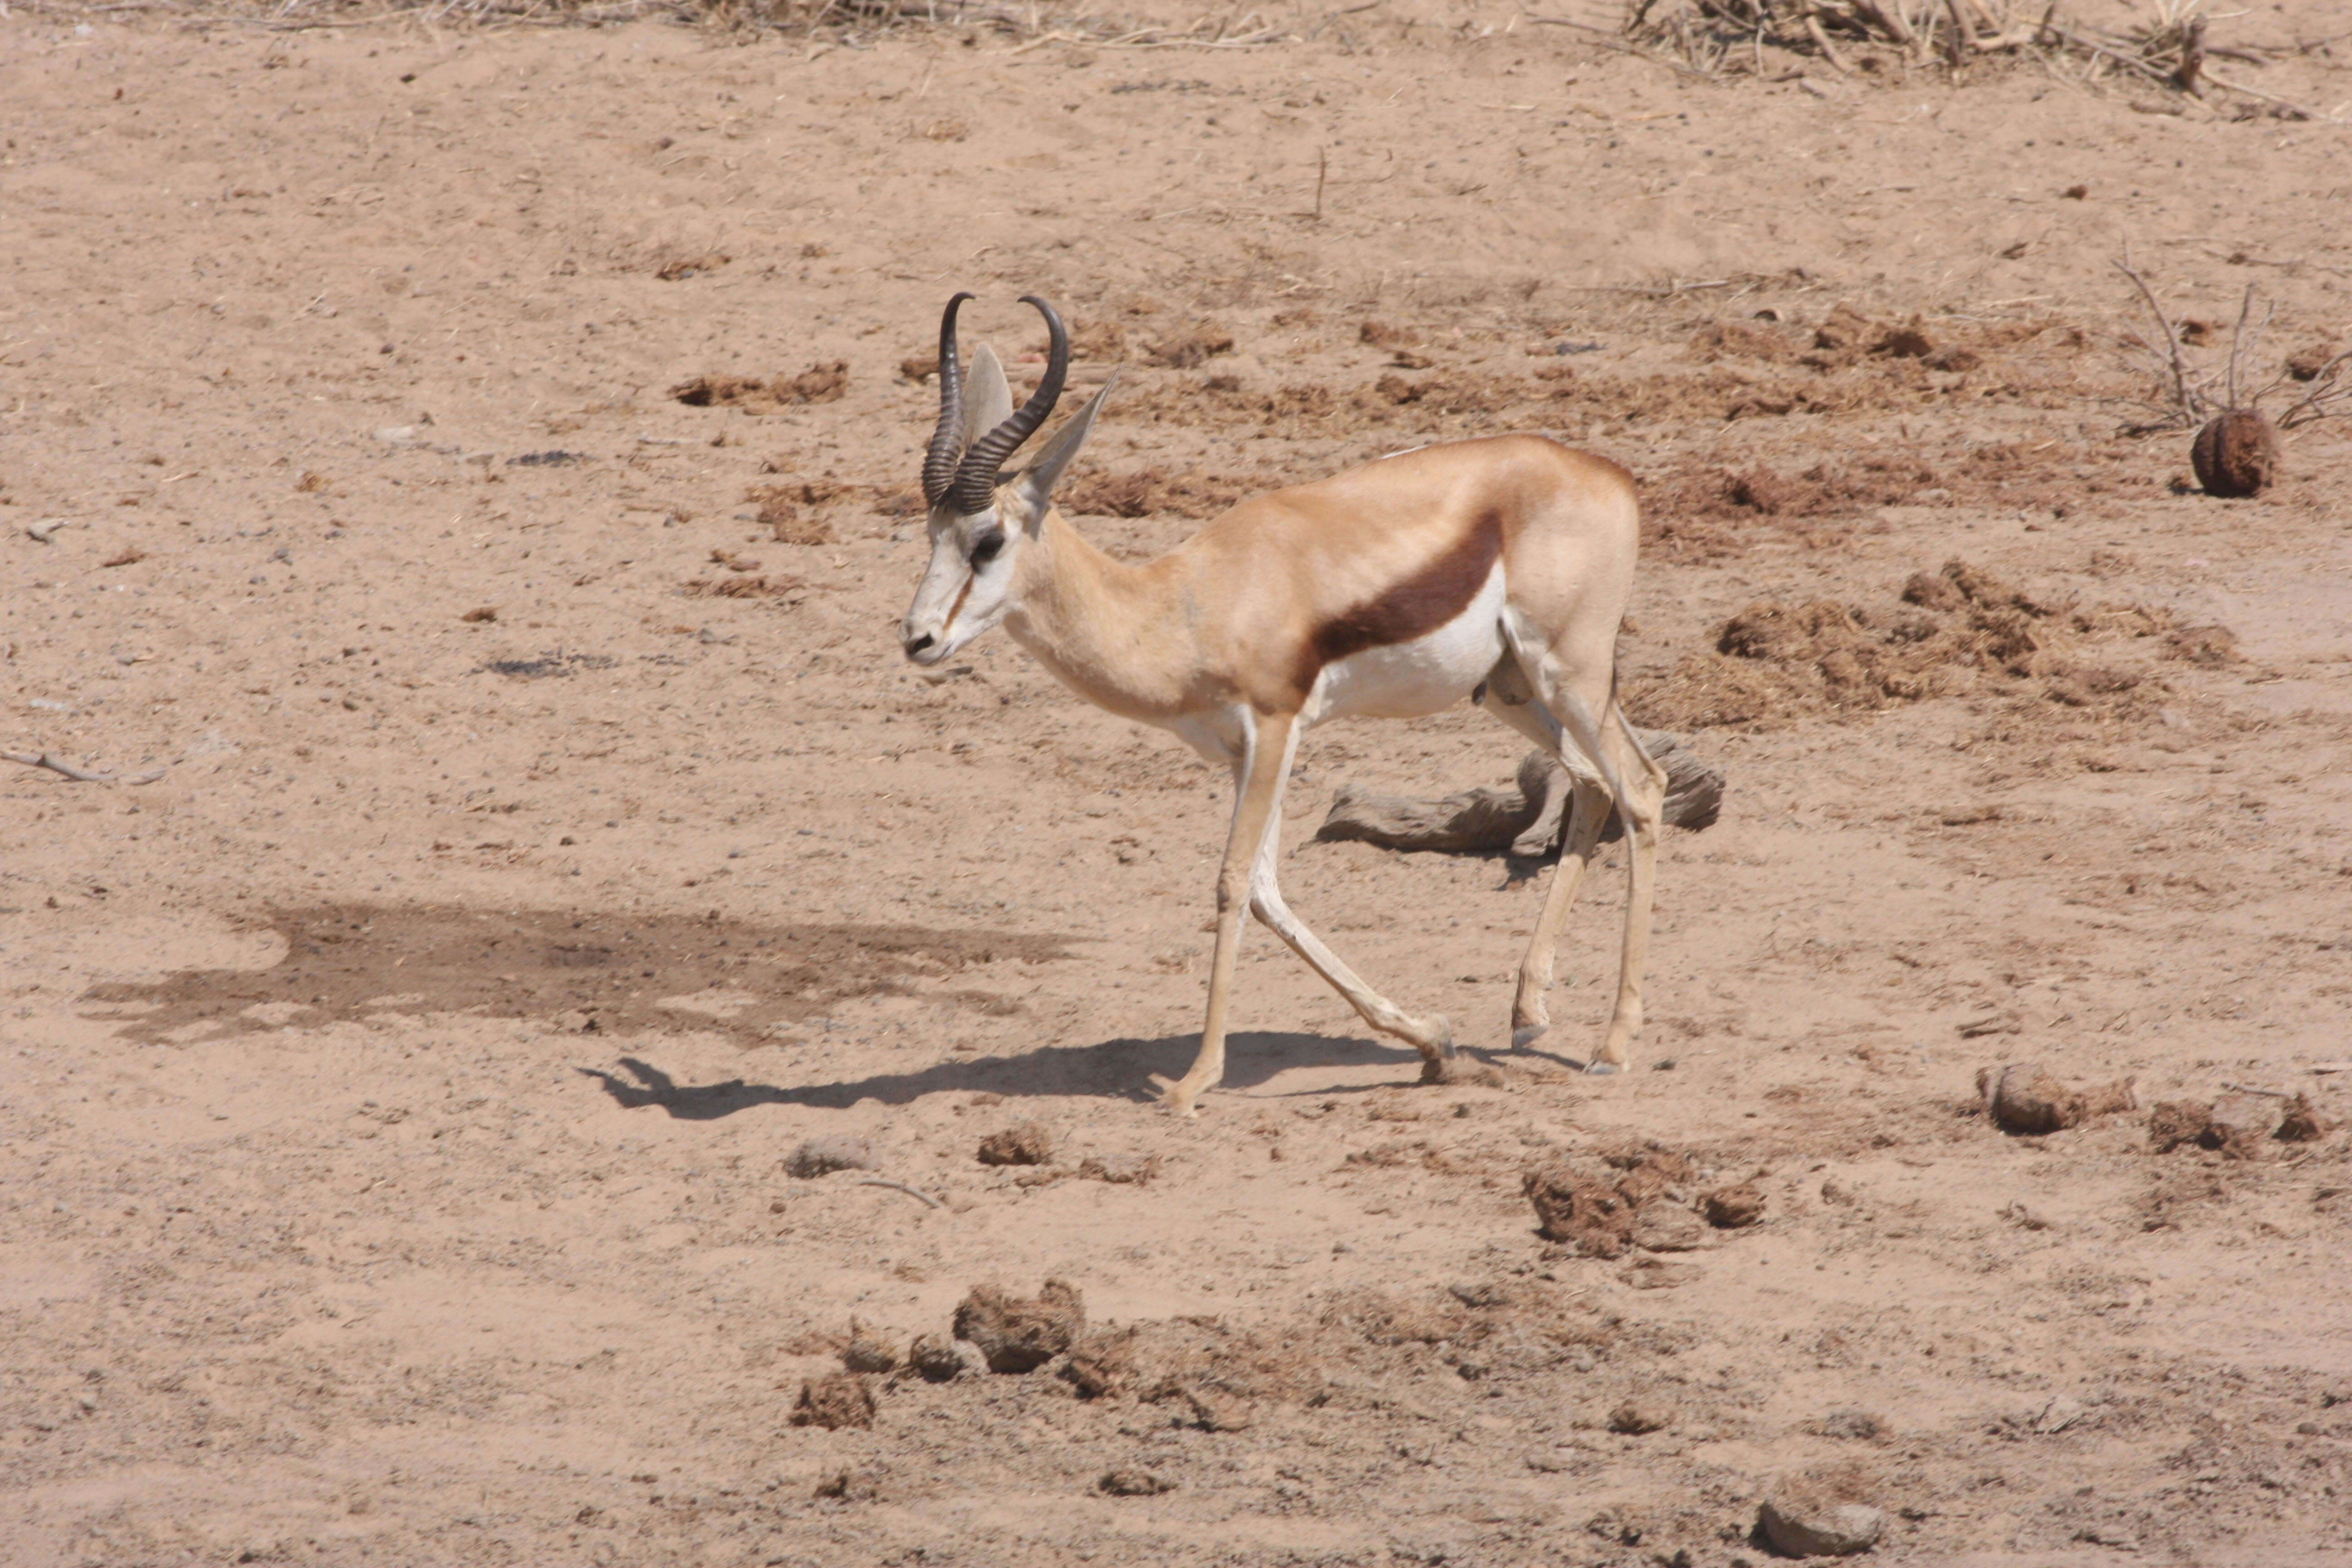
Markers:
<point>1641,807</point>
<point>1258,798</point>
<point>1431,1036</point>
<point>1584,701</point>
<point>1530,1017</point>
<point>1587,811</point>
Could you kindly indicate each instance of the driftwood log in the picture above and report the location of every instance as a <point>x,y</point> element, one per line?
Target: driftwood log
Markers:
<point>1524,816</point>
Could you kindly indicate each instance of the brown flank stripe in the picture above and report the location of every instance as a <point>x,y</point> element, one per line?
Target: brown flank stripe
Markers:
<point>1415,607</point>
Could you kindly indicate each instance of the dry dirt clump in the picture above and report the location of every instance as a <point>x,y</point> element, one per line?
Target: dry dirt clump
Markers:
<point>1147,493</point>
<point>1734,1207</point>
<point>822,1156</point>
<point>2303,1123</point>
<point>1604,1213</point>
<point>934,1358</point>
<point>1022,1144</point>
<point>1189,350</point>
<point>834,1401</point>
<point>1961,629</point>
<point>866,1353</point>
<point>679,267</point>
<point>2236,1126</point>
<point>1016,1334</point>
<point>818,383</point>
<point>1215,1371</point>
<point>1120,1169</point>
<point>756,587</point>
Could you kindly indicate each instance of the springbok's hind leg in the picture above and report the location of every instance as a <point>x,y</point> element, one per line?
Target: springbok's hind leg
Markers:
<point>1431,1036</point>
<point>1642,809</point>
<point>1580,694</point>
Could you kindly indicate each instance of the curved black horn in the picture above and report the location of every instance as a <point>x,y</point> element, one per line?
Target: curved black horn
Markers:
<point>975,480</point>
<point>939,462</point>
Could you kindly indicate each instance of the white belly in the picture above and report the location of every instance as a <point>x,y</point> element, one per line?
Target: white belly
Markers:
<point>1427,675</point>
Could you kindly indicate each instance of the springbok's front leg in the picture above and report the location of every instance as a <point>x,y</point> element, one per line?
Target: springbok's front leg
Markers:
<point>1255,802</point>
<point>1431,1036</point>
<point>1588,813</point>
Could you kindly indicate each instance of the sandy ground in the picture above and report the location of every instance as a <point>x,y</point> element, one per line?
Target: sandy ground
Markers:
<point>402,1084</point>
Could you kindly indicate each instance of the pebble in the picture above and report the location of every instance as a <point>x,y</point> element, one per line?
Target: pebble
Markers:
<point>1804,1523</point>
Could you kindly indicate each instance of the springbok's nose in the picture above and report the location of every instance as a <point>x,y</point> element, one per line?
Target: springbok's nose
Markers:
<point>914,644</point>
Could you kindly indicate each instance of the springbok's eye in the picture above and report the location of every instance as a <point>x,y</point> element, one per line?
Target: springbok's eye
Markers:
<point>984,550</point>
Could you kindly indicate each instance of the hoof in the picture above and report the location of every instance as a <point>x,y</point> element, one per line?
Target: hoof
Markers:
<point>1444,1025</point>
<point>1527,1035</point>
<point>1437,1069</point>
<point>1601,1070</point>
<point>1175,1096</point>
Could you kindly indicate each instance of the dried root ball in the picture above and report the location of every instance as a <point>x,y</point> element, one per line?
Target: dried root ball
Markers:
<point>2235,455</point>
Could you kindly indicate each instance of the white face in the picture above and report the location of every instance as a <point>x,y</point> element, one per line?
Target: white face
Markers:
<point>967,589</point>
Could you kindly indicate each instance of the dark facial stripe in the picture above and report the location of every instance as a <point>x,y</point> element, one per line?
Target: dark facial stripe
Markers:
<point>1424,602</point>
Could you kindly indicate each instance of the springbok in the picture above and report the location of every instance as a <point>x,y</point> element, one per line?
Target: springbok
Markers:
<point>1496,569</point>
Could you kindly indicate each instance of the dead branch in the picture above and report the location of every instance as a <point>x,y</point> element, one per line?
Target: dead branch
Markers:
<point>1524,816</point>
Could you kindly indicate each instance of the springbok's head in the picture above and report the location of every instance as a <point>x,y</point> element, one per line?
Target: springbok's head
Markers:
<point>981,519</point>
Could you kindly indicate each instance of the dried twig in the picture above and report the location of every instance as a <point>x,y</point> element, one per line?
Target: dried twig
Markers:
<point>55,765</point>
<point>2188,402</point>
<point>79,775</point>
<point>2329,387</point>
<point>925,1199</point>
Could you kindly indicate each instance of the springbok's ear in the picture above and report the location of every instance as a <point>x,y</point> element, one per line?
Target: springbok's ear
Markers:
<point>987,399</point>
<point>1036,480</point>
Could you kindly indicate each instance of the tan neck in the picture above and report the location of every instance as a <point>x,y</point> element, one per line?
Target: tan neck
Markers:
<point>1112,633</point>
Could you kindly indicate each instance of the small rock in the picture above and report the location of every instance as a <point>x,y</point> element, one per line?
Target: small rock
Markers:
<point>936,1358</point>
<point>1837,1192</point>
<point>1024,1143</point>
<point>1133,1483</point>
<point>1805,1519</point>
<point>1662,1225</point>
<point>822,1156</point>
<point>2021,1098</point>
<point>1729,1208</point>
<point>866,1353</point>
<point>1636,1417</point>
<point>1015,1334</point>
<point>834,1401</point>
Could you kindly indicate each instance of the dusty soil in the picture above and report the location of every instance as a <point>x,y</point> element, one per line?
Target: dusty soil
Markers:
<point>404,1083</point>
